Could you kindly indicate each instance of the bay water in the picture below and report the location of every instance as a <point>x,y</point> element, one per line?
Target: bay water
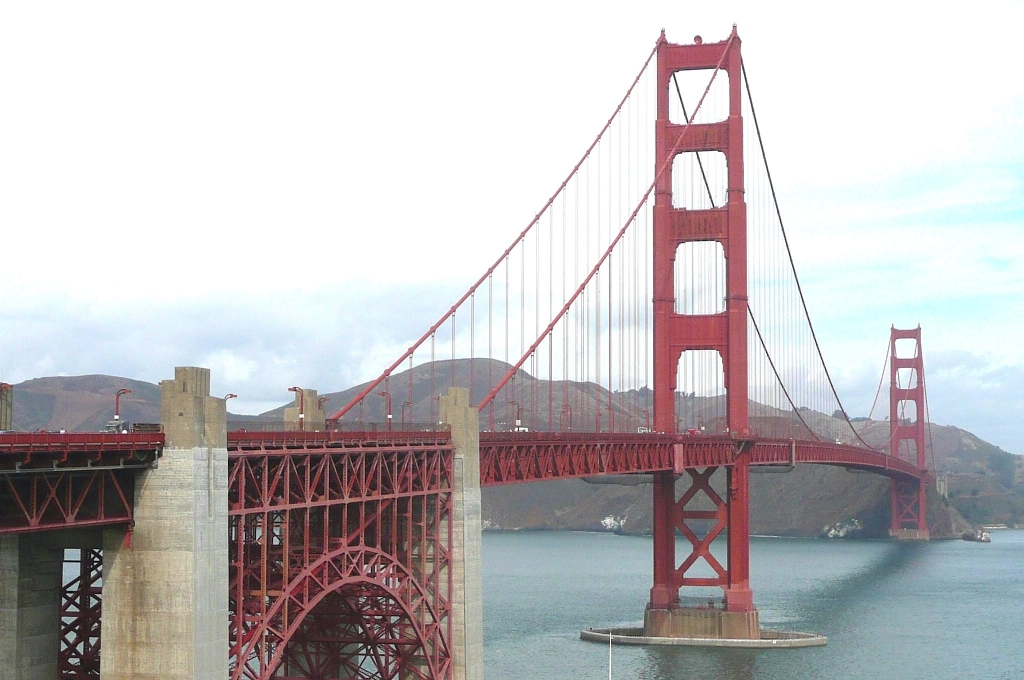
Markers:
<point>944,609</point>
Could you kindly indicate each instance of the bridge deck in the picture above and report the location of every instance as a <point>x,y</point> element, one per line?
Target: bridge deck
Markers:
<point>54,480</point>
<point>46,451</point>
<point>508,458</point>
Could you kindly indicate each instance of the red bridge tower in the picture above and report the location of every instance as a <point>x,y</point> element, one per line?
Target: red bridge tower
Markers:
<point>906,437</point>
<point>726,334</point>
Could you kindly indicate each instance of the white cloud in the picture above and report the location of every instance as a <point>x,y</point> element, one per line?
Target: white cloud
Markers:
<point>293,194</point>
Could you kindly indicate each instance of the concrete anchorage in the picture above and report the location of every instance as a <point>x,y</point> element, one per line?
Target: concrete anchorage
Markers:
<point>165,585</point>
<point>467,642</point>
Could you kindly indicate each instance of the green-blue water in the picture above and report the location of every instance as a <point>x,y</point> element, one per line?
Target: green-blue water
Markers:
<point>946,609</point>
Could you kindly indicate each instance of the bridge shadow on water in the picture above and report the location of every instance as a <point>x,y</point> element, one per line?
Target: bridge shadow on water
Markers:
<point>832,605</point>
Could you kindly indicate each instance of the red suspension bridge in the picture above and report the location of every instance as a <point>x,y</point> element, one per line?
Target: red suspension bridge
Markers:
<point>649,319</point>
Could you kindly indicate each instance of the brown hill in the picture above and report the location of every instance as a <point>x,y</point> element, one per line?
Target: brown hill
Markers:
<point>986,483</point>
<point>82,403</point>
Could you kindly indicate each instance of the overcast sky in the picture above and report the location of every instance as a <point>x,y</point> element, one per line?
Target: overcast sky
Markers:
<point>289,193</point>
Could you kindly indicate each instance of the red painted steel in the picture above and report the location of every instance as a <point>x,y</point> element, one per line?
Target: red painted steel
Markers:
<point>51,480</point>
<point>725,333</point>
<point>41,501</point>
<point>512,458</point>
<point>341,560</point>
<point>908,497</point>
<point>78,656</point>
<point>25,451</point>
<point>507,458</point>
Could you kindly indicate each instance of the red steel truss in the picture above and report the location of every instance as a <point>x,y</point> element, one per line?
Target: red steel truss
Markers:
<point>80,604</point>
<point>39,501</point>
<point>510,458</point>
<point>506,458</point>
<point>51,480</point>
<point>340,559</point>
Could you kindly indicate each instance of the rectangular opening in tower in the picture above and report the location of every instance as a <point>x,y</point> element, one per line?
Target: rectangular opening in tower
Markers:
<point>700,180</point>
<point>700,393</point>
<point>906,348</point>
<point>906,412</point>
<point>685,89</point>
<point>906,378</point>
<point>700,278</point>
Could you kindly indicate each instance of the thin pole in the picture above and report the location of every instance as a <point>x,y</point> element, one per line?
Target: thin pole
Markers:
<point>609,654</point>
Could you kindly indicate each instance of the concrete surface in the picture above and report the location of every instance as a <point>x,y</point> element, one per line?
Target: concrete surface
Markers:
<point>770,639</point>
<point>165,608</point>
<point>30,584</point>
<point>467,607</point>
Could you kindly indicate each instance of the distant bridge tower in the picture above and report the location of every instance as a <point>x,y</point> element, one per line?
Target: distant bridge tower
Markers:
<point>906,436</point>
<point>724,333</point>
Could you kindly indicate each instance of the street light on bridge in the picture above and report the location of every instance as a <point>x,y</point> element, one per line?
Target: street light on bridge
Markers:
<point>117,402</point>
<point>302,406</point>
<point>404,404</point>
<point>519,412</point>
<point>567,413</point>
<point>387,399</point>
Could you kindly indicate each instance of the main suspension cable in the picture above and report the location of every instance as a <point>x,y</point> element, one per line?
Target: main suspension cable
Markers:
<point>789,253</point>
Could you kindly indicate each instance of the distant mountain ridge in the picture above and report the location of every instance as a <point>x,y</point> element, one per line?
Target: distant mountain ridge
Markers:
<point>82,403</point>
<point>986,484</point>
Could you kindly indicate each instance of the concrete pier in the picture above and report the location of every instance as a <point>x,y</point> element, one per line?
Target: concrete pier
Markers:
<point>30,584</point>
<point>165,587</point>
<point>467,642</point>
<point>686,622</point>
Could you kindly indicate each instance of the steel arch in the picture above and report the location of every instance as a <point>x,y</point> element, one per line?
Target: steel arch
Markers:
<point>330,574</point>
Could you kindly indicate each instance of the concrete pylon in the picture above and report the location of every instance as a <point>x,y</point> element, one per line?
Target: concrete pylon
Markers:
<point>165,587</point>
<point>467,642</point>
<point>307,414</point>
<point>30,584</point>
<point>6,407</point>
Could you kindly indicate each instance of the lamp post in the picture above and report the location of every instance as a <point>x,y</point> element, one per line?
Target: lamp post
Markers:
<point>567,413</point>
<point>519,411</point>
<point>302,406</point>
<point>387,400</point>
<point>404,404</point>
<point>230,395</point>
<point>117,402</point>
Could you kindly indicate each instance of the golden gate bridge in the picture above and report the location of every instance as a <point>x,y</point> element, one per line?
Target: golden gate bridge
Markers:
<point>648,320</point>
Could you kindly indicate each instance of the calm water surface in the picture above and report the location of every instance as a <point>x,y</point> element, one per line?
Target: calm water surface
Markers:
<point>947,609</point>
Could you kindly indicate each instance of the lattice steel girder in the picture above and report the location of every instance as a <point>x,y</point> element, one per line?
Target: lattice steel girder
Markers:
<point>53,500</point>
<point>506,458</point>
<point>323,519</point>
<point>78,656</point>
<point>788,451</point>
